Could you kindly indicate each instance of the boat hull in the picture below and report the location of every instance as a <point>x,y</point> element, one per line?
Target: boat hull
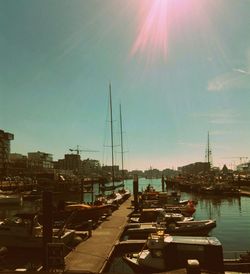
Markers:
<point>31,241</point>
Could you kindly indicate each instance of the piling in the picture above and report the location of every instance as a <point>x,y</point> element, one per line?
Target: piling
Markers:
<point>90,228</point>
<point>82,192</point>
<point>162,183</point>
<point>193,267</point>
<point>135,192</point>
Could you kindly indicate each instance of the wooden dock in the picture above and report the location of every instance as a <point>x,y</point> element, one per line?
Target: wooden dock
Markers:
<point>92,255</point>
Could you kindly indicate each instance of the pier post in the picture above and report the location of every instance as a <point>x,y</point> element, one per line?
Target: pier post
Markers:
<point>47,224</point>
<point>135,192</point>
<point>162,183</point>
<point>82,193</point>
<point>92,192</point>
<point>90,227</point>
<point>193,267</point>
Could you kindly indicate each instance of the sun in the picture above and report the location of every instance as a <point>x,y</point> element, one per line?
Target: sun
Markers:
<point>163,20</point>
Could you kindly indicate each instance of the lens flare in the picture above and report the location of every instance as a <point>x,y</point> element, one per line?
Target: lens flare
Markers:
<point>153,32</point>
<point>165,23</point>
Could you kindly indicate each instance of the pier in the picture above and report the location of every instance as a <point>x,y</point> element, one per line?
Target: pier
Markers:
<point>93,254</point>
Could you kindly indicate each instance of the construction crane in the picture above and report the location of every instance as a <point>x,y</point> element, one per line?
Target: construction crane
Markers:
<point>78,151</point>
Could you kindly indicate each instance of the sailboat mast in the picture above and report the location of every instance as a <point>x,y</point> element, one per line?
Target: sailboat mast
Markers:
<point>111,132</point>
<point>121,143</point>
<point>208,149</point>
<point>208,152</point>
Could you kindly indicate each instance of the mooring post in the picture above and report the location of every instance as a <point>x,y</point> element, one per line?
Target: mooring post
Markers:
<point>92,192</point>
<point>47,224</point>
<point>82,192</point>
<point>162,183</point>
<point>90,228</point>
<point>135,192</point>
<point>193,267</point>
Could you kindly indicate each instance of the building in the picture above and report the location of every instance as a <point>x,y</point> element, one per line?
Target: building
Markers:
<point>72,162</point>
<point>18,163</point>
<point>90,167</point>
<point>107,170</point>
<point>195,168</point>
<point>40,160</point>
<point>244,167</point>
<point>5,138</point>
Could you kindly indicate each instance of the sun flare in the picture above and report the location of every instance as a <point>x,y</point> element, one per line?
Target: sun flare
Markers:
<point>154,29</point>
<point>163,22</point>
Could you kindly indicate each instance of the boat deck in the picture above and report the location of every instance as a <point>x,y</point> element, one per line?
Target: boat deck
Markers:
<point>92,255</point>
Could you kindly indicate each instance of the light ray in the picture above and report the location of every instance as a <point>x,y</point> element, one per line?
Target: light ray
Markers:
<point>166,23</point>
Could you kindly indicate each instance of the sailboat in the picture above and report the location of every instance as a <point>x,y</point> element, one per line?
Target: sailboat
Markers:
<point>124,192</point>
<point>120,195</point>
<point>113,198</point>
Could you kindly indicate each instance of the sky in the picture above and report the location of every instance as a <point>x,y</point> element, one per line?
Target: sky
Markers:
<point>179,69</point>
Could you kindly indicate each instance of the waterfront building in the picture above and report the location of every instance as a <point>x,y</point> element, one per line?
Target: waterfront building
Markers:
<point>244,167</point>
<point>90,167</point>
<point>5,138</point>
<point>108,169</point>
<point>136,172</point>
<point>195,168</point>
<point>40,160</point>
<point>18,163</point>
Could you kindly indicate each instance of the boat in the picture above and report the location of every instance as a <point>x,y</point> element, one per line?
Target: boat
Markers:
<point>10,199</point>
<point>157,215</point>
<point>116,197</point>
<point>32,195</point>
<point>79,215</point>
<point>170,201</point>
<point>111,188</point>
<point>186,209</point>
<point>220,189</point>
<point>171,226</point>
<point>27,232</point>
<point>240,264</point>
<point>163,252</point>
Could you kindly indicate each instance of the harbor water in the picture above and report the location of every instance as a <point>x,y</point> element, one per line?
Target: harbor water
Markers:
<point>231,215</point>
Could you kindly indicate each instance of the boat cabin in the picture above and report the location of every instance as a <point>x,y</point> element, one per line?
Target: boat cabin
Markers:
<point>172,252</point>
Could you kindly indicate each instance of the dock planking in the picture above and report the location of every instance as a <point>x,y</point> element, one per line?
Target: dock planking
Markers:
<point>93,254</point>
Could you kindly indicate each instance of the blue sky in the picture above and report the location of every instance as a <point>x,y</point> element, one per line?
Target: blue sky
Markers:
<point>178,68</point>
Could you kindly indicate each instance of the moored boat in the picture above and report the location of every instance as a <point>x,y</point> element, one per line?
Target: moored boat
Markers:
<point>167,253</point>
<point>26,232</point>
<point>171,201</point>
<point>80,214</point>
<point>241,263</point>
<point>13,199</point>
<point>157,215</point>
<point>189,228</point>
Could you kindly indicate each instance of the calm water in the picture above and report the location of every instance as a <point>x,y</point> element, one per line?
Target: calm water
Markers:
<point>232,216</point>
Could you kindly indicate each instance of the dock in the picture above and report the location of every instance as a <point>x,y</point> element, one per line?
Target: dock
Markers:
<point>92,255</point>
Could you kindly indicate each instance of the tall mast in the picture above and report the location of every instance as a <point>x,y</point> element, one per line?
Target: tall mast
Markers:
<point>111,132</point>
<point>208,151</point>
<point>208,148</point>
<point>121,143</point>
